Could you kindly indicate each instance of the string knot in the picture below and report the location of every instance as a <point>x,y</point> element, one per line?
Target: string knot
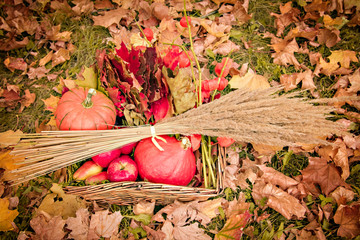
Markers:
<point>154,137</point>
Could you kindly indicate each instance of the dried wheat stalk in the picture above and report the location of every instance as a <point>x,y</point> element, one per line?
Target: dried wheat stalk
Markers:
<point>255,117</point>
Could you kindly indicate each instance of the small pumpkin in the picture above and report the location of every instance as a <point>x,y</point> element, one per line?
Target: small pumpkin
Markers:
<point>175,165</point>
<point>85,109</point>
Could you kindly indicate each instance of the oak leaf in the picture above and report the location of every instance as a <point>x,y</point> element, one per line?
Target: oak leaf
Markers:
<point>111,17</point>
<point>104,224</point>
<point>47,227</point>
<point>279,200</point>
<point>79,225</point>
<point>10,138</point>
<point>60,204</point>
<point>250,81</point>
<point>347,216</point>
<point>325,175</point>
<point>6,216</point>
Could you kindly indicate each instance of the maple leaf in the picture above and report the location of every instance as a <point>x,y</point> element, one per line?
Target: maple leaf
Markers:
<point>27,100</point>
<point>6,216</point>
<point>347,216</point>
<point>307,232</point>
<point>60,56</point>
<point>302,30</point>
<point>284,53</point>
<point>10,138</point>
<point>250,81</point>
<point>104,224</point>
<point>51,103</point>
<point>290,81</point>
<point>325,175</point>
<point>83,7</point>
<point>288,15</point>
<point>54,34</point>
<point>343,57</point>
<point>316,5</point>
<point>8,161</point>
<point>79,225</point>
<point>342,195</point>
<point>46,59</point>
<point>278,199</point>
<point>354,80</point>
<point>191,231</point>
<point>11,43</point>
<point>15,63</point>
<point>60,204</point>
<point>38,73</point>
<point>111,17</point>
<point>47,227</point>
<point>233,228</point>
<point>341,158</point>
<point>336,23</point>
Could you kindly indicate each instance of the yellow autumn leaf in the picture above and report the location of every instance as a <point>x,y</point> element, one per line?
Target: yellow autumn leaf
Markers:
<point>343,57</point>
<point>7,161</point>
<point>250,81</point>
<point>6,216</point>
<point>51,103</point>
<point>10,138</point>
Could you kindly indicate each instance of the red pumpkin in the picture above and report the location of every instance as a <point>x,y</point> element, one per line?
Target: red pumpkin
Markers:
<point>82,109</point>
<point>175,165</point>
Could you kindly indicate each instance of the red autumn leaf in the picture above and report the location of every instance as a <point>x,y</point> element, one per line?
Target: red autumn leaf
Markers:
<point>195,140</point>
<point>324,174</point>
<point>160,108</point>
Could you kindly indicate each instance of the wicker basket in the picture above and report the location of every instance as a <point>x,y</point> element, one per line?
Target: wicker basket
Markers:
<point>127,193</point>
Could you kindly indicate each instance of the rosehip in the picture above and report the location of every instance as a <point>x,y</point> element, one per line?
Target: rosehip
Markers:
<point>148,34</point>
<point>183,22</point>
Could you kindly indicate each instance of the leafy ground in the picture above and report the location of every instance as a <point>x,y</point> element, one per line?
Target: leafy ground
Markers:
<point>304,192</point>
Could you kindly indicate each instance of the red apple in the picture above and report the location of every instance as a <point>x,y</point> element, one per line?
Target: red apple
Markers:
<point>122,169</point>
<point>97,178</point>
<point>104,159</point>
<point>127,149</point>
<point>88,169</point>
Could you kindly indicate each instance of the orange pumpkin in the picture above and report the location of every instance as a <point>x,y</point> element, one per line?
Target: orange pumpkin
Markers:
<point>85,109</point>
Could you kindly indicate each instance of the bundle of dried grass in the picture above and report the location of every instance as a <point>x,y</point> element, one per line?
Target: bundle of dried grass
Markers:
<point>255,117</point>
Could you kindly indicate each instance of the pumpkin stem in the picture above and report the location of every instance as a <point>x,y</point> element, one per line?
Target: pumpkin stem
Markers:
<point>87,103</point>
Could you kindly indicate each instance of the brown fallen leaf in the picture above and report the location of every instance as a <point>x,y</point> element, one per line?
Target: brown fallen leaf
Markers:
<point>6,216</point>
<point>191,231</point>
<point>54,34</point>
<point>46,59</point>
<point>82,7</point>
<point>51,103</point>
<point>111,17</point>
<point>240,13</point>
<point>79,225</point>
<point>347,216</point>
<point>316,5</point>
<point>328,37</point>
<point>287,15</point>
<point>38,73</point>
<point>11,43</point>
<point>341,158</point>
<point>47,227</point>
<point>354,80</point>
<point>281,201</point>
<point>13,64</point>
<point>355,20</point>
<point>325,175</point>
<point>335,23</point>
<point>144,207</point>
<point>342,195</point>
<point>105,225</point>
<point>284,53</point>
<point>7,161</point>
<point>10,138</point>
<point>250,81</point>
<point>311,231</point>
<point>277,178</point>
<point>60,56</point>
<point>58,203</point>
<point>343,57</point>
<point>27,100</point>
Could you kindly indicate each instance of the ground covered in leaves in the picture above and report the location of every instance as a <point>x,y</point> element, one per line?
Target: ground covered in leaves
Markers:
<point>271,192</point>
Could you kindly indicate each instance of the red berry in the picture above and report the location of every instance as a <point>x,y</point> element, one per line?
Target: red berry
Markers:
<point>183,22</point>
<point>148,34</point>
<point>184,61</point>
